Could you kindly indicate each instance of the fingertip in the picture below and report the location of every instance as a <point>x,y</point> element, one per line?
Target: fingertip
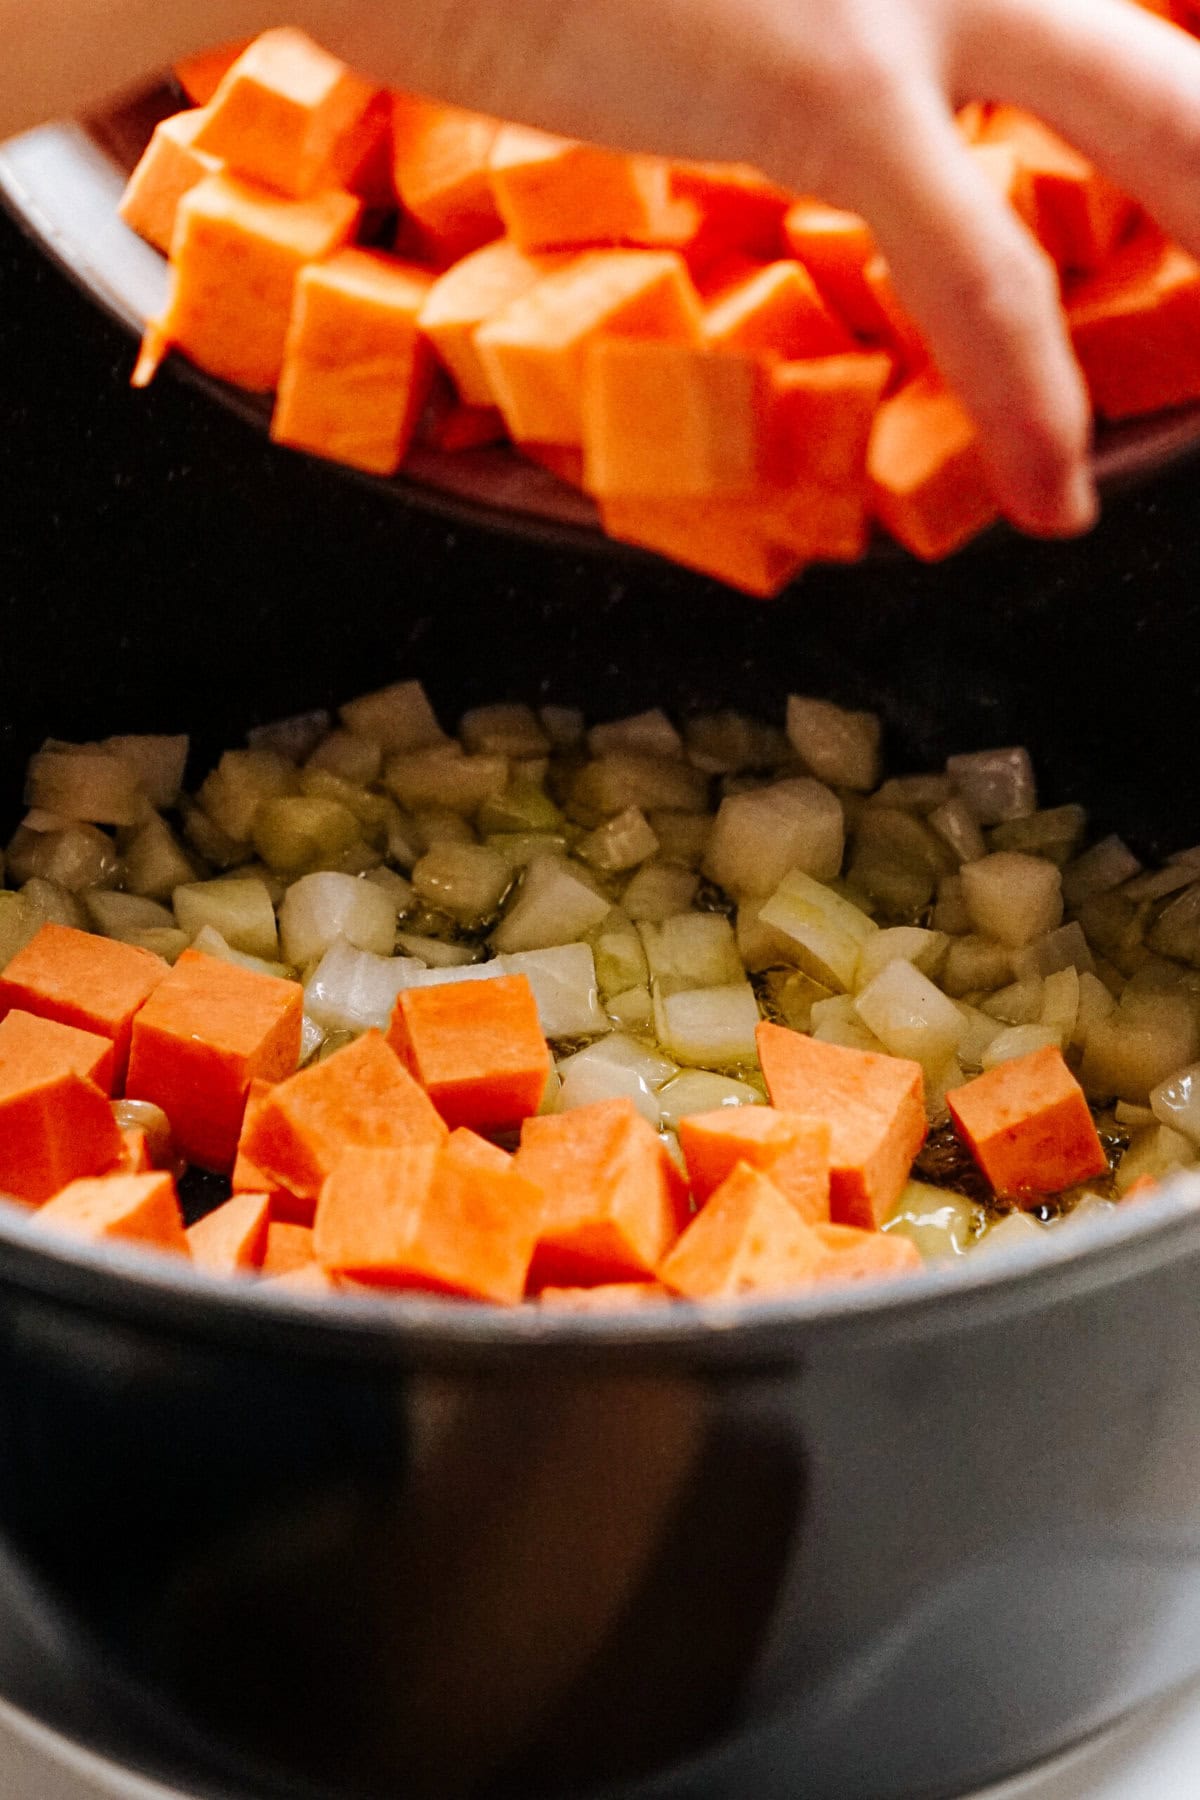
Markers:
<point>1064,508</point>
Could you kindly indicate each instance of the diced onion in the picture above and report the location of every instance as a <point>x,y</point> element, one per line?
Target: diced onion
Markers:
<point>126,916</point>
<point>348,756</point>
<point>593,1082</point>
<point>300,832</point>
<point>433,952</point>
<point>939,1223</point>
<point>563,725</point>
<point>1105,866</point>
<point>759,836</point>
<point>354,990</point>
<point>841,748</point>
<point>902,943</point>
<point>708,1026</point>
<point>563,979</point>
<point>209,942</point>
<point>726,743</point>
<point>468,881</point>
<point>620,843</point>
<point>240,785</point>
<point>1138,1046</point>
<point>240,910</point>
<point>397,717</point>
<point>59,906</point>
<point>997,785</point>
<point>1055,834</point>
<point>504,730</point>
<point>632,1009</point>
<point>692,950</point>
<point>646,734</point>
<point>955,824</point>
<point>157,763</point>
<point>92,787</point>
<point>658,891</point>
<point>1176,1102</point>
<point>1012,897</point>
<point>554,905</point>
<point>837,1021</point>
<point>296,738</point>
<point>319,909</point>
<point>910,1016</point>
<point>1015,1231</point>
<point>445,778</point>
<point>155,861</point>
<point>700,1091</point>
<point>19,921</point>
<point>827,933</point>
<point>623,778</point>
<point>1019,1040</point>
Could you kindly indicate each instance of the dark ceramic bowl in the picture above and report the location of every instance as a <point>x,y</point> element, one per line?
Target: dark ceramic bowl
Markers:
<point>63,183</point>
<point>884,1546</point>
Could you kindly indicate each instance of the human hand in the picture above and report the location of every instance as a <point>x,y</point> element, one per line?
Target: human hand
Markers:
<point>853,100</point>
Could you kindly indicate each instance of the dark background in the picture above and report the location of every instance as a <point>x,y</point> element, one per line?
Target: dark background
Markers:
<point>162,566</point>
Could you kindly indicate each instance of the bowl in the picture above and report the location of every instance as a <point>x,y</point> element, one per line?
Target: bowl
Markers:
<point>63,183</point>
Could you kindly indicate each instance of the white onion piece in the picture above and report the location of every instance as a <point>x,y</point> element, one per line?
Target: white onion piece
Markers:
<point>692,950</point>
<point>563,725</point>
<point>59,906</point>
<point>837,1021</point>
<point>1055,833</point>
<point>124,916</point>
<point>632,1009</point>
<point>143,1115</point>
<point>682,837</point>
<point>80,857</point>
<point>950,913</point>
<point>353,990</point>
<point>1095,1002</point>
<point>1156,884</point>
<point>1098,870</point>
<point>620,960</point>
<point>433,826</point>
<point>240,910</point>
<point>711,1027</point>
<point>1176,931</point>
<point>623,778</point>
<point>553,905</point>
<point>519,848</point>
<point>760,835</point>
<point>620,843</point>
<point>1157,1152</point>
<point>91,787</point>
<point>980,1034</point>
<point>242,783</point>
<point>1014,1232</point>
<point>901,943</point>
<point>1176,1102</point>
<point>700,1091</point>
<point>1012,897</point>
<point>445,778</point>
<point>398,717</point>
<point>955,824</point>
<point>349,757</point>
<point>434,953</point>
<point>1018,1004</point>
<point>1060,1004</point>
<point>155,861</point>
<point>941,1224</point>
<point>910,1016</point>
<point>997,785</point>
<point>841,748</point>
<point>646,734</point>
<point>319,909</point>
<point>209,942</point>
<point>826,932</point>
<point>504,730</point>
<point>726,743</point>
<point>976,965</point>
<point>939,1082</point>
<point>651,1066</point>
<point>157,762</point>
<point>659,890</point>
<point>1066,948</point>
<point>311,1039</point>
<point>760,946</point>
<point>921,794</point>
<point>19,921</point>
<point>592,1082</point>
<point>897,860</point>
<point>1138,1046</point>
<point>1126,1113</point>
<point>563,979</point>
<point>295,738</point>
<point>467,881</point>
<point>1019,1040</point>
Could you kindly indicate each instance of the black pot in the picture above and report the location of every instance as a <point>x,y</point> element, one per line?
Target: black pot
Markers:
<point>877,1548</point>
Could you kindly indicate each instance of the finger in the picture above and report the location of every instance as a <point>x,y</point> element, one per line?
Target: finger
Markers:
<point>1122,85</point>
<point>987,299</point>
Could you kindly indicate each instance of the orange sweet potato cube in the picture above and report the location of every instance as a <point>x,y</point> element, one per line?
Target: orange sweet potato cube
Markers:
<point>361,1097</point>
<point>835,247</point>
<point>874,1107</point>
<point>93,983</point>
<point>556,193</point>
<point>793,1151</point>
<point>287,1248</point>
<point>440,172</point>
<point>476,1048</point>
<point>614,1200</point>
<point>54,1127</point>
<point>447,1220</point>
<point>466,297</point>
<point>232,1237</point>
<point>171,166</point>
<point>248,1178</point>
<point>36,1043</point>
<point>737,541</point>
<point>1028,1126</point>
<point>926,474</point>
<point>776,308</point>
<point>1077,213</point>
<point>282,111</point>
<point>205,1033</point>
<point>748,1239</point>
<point>737,209</point>
<point>613,1296</point>
<point>1135,325</point>
<point>235,257</point>
<point>856,1255</point>
<point>356,371</point>
<point>144,1208</point>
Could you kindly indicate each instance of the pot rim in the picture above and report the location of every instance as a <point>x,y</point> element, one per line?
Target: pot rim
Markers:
<point>136,1284</point>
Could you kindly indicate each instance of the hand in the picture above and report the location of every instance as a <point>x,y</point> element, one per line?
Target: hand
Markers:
<point>853,100</point>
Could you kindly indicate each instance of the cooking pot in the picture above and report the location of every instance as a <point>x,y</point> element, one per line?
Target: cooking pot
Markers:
<point>885,1545</point>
